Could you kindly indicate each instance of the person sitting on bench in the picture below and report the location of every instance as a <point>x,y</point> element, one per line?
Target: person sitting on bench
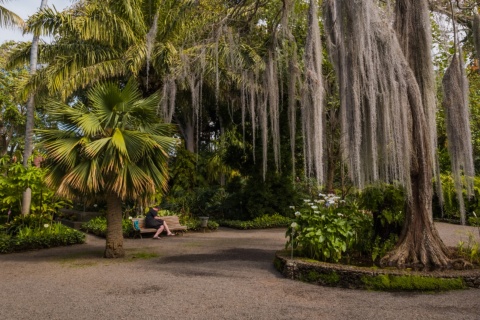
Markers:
<point>152,220</point>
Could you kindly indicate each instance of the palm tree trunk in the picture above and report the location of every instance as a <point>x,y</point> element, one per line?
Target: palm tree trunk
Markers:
<point>27,152</point>
<point>114,244</point>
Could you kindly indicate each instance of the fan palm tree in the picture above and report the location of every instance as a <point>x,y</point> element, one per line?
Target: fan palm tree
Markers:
<point>113,146</point>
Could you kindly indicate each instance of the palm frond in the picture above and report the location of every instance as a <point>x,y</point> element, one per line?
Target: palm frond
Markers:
<point>9,19</point>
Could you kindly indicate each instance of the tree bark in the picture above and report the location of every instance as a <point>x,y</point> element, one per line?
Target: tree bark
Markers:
<point>419,245</point>
<point>114,243</point>
<point>190,136</point>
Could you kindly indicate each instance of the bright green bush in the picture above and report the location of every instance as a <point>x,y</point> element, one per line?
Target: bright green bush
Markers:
<point>15,178</point>
<point>46,236</point>
<point>325,229</point>
<point>98,227</point>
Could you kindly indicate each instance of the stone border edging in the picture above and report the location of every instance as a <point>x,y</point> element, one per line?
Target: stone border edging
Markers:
<point>345,276</point>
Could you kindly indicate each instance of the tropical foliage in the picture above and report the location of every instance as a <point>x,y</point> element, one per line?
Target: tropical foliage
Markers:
<point>15,178</point>
<point>113,145</point>
<point>325,228</point>
<point>36,231</point>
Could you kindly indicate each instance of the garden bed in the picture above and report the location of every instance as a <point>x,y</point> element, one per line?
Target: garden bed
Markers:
<point>373,278</point>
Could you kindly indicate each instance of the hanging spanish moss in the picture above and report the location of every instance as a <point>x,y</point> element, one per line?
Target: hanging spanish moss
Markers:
<point>251,103</point>
<point>375,93</point>
<point>455,103</point>
<point>191,76</point>
<point>386,135</point>
<point>291,68</point>
<point>263,119</point>
<point>243,101</point>
<point>412,25</point>
<point>312,98</point>
<point>292,105</point>
<point>476,37</point>
<point>272,94</point>
<point>167,103</point>
<point>150,38</point>
<point>252,88</point>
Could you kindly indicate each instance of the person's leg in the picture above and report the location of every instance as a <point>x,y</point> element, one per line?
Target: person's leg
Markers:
<point>159,230</point>
<point>169,233</point>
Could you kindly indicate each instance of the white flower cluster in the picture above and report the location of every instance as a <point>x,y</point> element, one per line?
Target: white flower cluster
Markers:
<point>330,199</point>
<point>326,200</point>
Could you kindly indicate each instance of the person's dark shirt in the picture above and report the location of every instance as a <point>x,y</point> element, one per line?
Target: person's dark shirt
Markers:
<point>150,221</point>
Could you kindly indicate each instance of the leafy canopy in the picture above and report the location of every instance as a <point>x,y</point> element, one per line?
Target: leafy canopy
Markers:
<point>114,143</point>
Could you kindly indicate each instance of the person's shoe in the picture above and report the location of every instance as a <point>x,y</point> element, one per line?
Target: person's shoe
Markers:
<point>156,238</point>
<point>171,234</point>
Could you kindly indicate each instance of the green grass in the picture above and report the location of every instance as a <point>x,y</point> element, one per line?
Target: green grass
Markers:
<point>142,256</point>
<point>412,283</point>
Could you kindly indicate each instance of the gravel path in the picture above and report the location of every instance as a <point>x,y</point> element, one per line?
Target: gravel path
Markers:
<point>227,274</point>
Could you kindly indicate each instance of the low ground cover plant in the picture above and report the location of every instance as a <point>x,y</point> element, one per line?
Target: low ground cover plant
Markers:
<point>265,221</point>
<point>36,232</point>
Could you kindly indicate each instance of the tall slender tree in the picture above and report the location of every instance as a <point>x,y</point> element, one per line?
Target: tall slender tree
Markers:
<point>28,149</point>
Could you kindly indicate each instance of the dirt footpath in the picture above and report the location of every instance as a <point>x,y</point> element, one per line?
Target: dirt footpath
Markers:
<point>227,274</point>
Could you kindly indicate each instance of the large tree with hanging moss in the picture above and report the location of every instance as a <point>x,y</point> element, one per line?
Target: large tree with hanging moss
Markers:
<point>388,108</point>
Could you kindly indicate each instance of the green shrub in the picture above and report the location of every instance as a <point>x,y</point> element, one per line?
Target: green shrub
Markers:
<point>31,221</point>
<point>381,247</point>
<point>98,227</point>
<point>47,236</point>
<point>194,224</point>
<point>470,250</point>
<point>451,209</point>
<point>474,220</point>
<point>262,222</point>
<point>386,203</point>
<point>15,178</point>
<point>325,229</point>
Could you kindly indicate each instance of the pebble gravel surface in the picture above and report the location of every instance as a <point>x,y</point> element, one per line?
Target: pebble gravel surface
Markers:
<point>225,274</point>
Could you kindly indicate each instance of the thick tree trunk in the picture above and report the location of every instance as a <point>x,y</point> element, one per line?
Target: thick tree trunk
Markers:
<point>419,245</point>
<point>114,244</point>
